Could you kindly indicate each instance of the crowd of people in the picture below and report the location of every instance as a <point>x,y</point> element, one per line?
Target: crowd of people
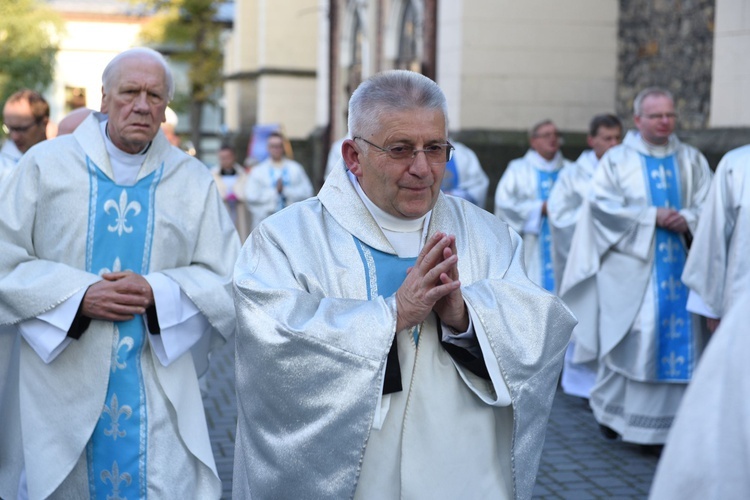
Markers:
<point>393,338</point>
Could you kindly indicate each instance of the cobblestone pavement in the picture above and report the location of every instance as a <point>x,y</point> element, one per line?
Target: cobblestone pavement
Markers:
<point>577,462</point>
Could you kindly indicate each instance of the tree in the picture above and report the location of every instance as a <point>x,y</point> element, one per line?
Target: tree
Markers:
<point>29,34</point>
<point>191,29</point>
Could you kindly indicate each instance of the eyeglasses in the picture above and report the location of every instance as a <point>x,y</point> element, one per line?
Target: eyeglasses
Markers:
<point>20,129</point>
<point>435,153</point>
<point>661,116</point>
<point>548,135</point>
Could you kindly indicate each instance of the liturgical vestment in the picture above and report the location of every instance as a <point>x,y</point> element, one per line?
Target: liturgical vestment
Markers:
<point>718,267</point>
<point>647,344</point>
<point>66,221</point>
<point>314,294</point>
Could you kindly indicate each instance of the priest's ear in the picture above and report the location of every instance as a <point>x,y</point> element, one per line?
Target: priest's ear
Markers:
<point>104,108</point>
<point>352,156</point>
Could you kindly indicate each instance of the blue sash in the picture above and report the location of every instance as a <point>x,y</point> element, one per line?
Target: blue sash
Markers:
<point>284,176</point>
<point>450,177</point>
<point>674,351</point>
<point>384,273</point>
<point>545,181</point>
<point>120,234</point>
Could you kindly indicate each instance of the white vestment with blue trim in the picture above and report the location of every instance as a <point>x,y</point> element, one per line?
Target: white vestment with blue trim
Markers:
<point>524,186</point>
<point>646,344</point>
<point>64,223</point>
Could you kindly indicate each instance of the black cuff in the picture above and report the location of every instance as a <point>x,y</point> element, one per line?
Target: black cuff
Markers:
<point>463,357</point>
<point>392,379</point>
<point>79,325</point>
<point>152,321</point>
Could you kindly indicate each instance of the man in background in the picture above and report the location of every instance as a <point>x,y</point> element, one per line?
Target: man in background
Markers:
<point>275,183</point>
<point>25,119</point>
<point>521,199</point>
<point>230,178</point>
<point>628,252</point>
<point>563,207</point>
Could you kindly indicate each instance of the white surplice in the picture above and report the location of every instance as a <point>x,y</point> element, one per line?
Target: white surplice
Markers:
<point>707,455</point>
<point>517,203</point>
<point>261,195</point>
<point>718,267</point>
<point>563,209</point>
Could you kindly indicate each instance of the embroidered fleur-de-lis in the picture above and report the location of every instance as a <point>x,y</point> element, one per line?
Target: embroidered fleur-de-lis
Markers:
<point>670,247</point>
<point>122,210</point>
<point>662,177</point>
<point>115,412</point>
<point>673,324</point>
<point>115,478</point>
<point>117,345</point>
<point>673,287</point>
<point>673,362</point>
<point>116,267</point>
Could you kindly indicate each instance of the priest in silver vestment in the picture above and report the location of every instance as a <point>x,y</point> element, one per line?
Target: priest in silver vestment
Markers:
<point>521,199</point>
<point>115,267</point>
<point>627,254</point>
<point>563,208</point>
<point>390,344</point>
<point>718,268</point>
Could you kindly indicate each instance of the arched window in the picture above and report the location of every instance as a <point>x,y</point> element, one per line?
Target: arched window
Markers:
<point>354,68</point>
<point>409,38</point>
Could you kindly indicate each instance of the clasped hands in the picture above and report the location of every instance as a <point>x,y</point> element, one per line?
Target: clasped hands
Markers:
<point>433,285</point>
<point>119,297</point>
<point>671,219</point>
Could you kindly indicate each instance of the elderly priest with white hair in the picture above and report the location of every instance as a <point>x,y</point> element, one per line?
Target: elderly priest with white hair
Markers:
<point>390,344</point>
<point>115,267</point>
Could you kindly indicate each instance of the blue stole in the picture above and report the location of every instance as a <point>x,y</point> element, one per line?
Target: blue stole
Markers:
<point>674,352</point>
<point>450,177</point>
<point>545,181</point>
<point>284,176</point>
<point>119,238</point>
<point>384,273</point>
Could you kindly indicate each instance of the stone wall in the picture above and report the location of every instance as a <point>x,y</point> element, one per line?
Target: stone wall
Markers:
<point>668,43</point>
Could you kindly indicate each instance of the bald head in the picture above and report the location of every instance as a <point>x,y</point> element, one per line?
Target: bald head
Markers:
<point>71,121</point>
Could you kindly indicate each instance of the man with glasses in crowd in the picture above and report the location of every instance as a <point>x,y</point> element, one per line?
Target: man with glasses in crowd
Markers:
<point>521,199</point>
<point>25,118</point>
<point>628,252</point>
<point>275,183</point>
<point>385,348</point>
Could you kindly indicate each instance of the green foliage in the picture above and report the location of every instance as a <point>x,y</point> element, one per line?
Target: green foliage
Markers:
<point>29,35</point>
<point>189,29</point>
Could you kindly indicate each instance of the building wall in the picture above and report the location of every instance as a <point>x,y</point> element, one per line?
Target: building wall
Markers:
<point>669,43</point>
<point>87,47</point>
<point>730,99</point>
<point>507,64</point>
<point>272,66</point>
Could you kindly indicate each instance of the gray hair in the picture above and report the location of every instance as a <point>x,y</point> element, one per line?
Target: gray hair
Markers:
<point>110,72</point>
<point>535,128</point>
<point>647,92</point>
<point>394,90</point>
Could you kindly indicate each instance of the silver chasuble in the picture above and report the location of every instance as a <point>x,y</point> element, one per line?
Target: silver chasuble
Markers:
<point>120,233</point>
<point>316,328</point>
